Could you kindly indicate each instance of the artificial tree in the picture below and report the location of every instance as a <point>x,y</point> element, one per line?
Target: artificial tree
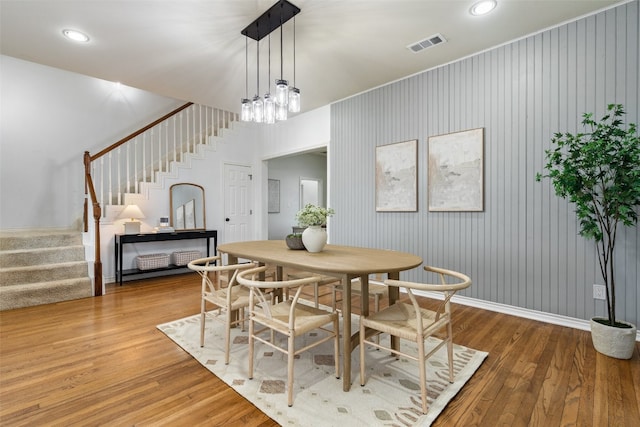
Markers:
<point>599,171</point>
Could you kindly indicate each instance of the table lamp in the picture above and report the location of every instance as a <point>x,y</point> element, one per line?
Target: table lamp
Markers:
<point>133,212</point>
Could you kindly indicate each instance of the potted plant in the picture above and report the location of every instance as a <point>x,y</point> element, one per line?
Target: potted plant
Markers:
<point>599,171</point>
<point>314,217</point>
<point>294,241</point>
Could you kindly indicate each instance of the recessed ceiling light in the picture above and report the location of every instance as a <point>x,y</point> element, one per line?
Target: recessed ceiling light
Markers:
<point>483,7</point>
<point>75,35</point>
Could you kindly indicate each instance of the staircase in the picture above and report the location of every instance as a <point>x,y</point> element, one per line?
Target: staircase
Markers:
<point>42,267</point>
<point>143,159</point>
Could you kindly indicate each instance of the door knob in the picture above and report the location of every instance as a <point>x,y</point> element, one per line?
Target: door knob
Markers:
<point>227,219</point>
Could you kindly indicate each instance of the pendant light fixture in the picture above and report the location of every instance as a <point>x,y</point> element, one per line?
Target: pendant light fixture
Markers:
<point>285,98</point>
<point>246,113</point>
<point>294,92</point>
<point>258,106</point>
<point>282,86</point>
<point>269,102</point>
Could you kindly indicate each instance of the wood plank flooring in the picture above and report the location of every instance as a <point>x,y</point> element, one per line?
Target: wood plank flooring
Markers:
<point>101,361</point>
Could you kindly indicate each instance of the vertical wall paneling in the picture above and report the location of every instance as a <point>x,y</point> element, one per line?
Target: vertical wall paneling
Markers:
<point>524,249</point>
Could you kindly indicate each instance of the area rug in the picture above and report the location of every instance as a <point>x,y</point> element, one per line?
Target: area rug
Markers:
<point>391,396</point>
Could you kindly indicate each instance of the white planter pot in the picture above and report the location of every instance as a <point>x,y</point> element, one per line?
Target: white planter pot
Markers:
<point>314,238</point>
<point>614,342</point>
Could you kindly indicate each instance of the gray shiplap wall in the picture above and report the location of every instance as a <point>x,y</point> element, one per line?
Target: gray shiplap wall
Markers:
<point>524,249</point>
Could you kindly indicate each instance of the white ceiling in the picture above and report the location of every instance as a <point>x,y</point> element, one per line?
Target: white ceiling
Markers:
<point>193,50</point>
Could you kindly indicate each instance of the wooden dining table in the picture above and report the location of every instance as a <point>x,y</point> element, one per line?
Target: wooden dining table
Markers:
<point>342,262</point>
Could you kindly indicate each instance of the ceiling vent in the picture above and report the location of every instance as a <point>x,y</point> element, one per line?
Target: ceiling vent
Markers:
<point>426,43</point>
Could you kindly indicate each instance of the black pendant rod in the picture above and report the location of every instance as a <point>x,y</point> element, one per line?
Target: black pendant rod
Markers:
<point>273,18</point>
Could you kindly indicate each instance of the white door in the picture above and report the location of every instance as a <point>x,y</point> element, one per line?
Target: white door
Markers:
<point>238,211</point>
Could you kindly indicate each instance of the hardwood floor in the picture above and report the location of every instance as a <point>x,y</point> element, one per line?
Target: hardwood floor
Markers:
<point>101,361</point>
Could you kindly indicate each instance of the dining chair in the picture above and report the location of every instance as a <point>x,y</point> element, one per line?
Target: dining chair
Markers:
<point>291,318</point>
<point>229,301</point>
<point>407,320</point>
<point>322,281</point>
<point>377,290</point>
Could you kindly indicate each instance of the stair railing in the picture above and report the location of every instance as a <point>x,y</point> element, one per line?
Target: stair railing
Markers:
<point>139,157</point>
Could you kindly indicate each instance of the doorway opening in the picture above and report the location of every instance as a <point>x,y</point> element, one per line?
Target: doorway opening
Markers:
<point>302,179</point>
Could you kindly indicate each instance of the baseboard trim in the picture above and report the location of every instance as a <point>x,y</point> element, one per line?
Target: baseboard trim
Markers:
<point>555,319</point>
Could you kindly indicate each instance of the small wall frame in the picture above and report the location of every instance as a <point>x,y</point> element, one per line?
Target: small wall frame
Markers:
<point>274,196</point>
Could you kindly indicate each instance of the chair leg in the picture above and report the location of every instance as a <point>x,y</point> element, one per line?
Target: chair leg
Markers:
<point>334,296</point>
<point>251,343</point>
<point>227,337</point>
<point>450,350</point>
<point>203,316</point>
<point>336,345</point>
<point>376,306</point>
<point>290,359</point>
<point>316,289</point>
<point>362,355</point>
<point>423,373</point>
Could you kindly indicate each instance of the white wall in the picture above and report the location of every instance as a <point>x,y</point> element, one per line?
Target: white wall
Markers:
<point>301,133</point>
<point>49,117</point>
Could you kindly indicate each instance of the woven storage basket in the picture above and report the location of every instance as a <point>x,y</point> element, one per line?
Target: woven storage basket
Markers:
<point>184,257</point>
<point>152,261</point>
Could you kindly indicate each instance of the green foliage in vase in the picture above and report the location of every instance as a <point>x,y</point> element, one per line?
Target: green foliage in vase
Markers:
<point>599,171</point>
<point>313,215</point>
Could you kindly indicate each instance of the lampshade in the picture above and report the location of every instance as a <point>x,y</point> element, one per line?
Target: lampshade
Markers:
<point>246,114</point>
<point>294,99</point>
<point>131,211</point>
<point>281,112</point>
<point>282,92</point>
<point>258,109</point>
<point>269,109</point>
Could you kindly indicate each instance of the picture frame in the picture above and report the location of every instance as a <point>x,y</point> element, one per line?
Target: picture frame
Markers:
<point>179,221</point>
<point>273,196</point>
<point>456,171</point>
<point>397,177</point>
<point>190,215</point>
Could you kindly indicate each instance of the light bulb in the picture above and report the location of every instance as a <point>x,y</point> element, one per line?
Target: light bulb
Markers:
<point>246,113</point>
<point>282,92</point>
<point>294,99</point>
<point>281,112</point>
<point>269,109</point>
<point>258,109</point>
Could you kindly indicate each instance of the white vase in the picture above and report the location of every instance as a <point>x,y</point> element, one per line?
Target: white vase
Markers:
<point>314,238</point>
<point>613,342</point>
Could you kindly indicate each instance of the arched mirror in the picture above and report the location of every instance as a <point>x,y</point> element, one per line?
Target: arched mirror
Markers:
<point>187,207</point>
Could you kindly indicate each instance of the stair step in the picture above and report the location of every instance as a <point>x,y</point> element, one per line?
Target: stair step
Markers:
<point>27,295</point>
<point>31,239</point>
<point>40,256</point>
<point>41,273</point>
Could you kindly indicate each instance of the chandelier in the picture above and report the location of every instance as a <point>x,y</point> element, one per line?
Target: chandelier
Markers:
<point>286,99</point>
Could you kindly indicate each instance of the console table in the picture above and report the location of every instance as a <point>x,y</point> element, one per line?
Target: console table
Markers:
<point>123,239</point>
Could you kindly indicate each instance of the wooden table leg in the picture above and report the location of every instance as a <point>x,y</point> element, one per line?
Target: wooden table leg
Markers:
<point>346,333</point>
